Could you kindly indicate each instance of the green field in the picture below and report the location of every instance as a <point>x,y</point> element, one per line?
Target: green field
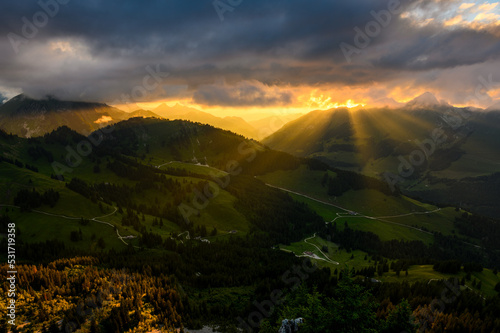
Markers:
<point>386,229</point>
<point>195,168</point>
<point>327,212</point>
<point>390,217</point>
<point>358,259</point>
<point>342,257</point>
<point>426,273</point>
<point>300,180</point>
<point>221,214</point>
<point>48,223</point>
<point>37,227</point>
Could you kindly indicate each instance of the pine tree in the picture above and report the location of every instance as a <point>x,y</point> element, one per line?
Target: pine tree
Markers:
<point>3,325</point>
<point>399,319</point>
<point>94,328</point>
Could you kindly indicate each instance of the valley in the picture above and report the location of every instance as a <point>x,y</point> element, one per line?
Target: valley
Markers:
<point>400,147</point>
<point>173,196</point>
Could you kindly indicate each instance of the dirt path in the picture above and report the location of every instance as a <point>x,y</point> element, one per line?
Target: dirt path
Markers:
<point>358,215</point>
<point>327,258</point>
<point>95,219</point>
<point>306,196</point>
<point>379,218</point>
<point>385,221</point>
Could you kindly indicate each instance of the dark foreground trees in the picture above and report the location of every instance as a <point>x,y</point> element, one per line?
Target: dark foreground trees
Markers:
<point>352,308</point>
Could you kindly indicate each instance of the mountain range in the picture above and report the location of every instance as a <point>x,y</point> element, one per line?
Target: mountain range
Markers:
<point>427,147</point>
<point>223,219</point>
<point>235,124</point>
<point>28,117</point>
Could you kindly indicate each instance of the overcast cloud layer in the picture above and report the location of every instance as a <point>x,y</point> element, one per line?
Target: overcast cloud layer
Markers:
<point>263,52</point>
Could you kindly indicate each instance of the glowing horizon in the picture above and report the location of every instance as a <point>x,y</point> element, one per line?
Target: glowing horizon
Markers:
<point>305,104</point>
<point>447,48</point>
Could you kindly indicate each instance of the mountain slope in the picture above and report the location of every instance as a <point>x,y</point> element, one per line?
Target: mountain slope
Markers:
<point>28,117</point>
<point>426,100</point>
<point>443,143</point>
<point>268,125</point>
<point>151,165</point>
<point>234,124</point>
<point>143,113</point>
<point>136,200</point>
<point>120,204</point>
<point>494,107</point>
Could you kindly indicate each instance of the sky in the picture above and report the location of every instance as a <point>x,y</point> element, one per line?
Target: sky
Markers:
<point>240,56</point>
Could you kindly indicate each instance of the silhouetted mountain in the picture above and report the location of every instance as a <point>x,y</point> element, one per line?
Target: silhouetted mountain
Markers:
<point>29,117</point>
<point>234,124</point>
<point>143,113</point>
<point>425,100</point>
<point>494,107</point>
<point>436,146</point>
<point>268,125</point>
<point>389,103</point>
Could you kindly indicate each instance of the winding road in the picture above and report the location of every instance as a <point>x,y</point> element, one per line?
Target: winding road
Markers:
<point>95,219</point>
<point>308,197</point>
<point>327,258</point>
<point>379,218</point>
<point>358,215</point>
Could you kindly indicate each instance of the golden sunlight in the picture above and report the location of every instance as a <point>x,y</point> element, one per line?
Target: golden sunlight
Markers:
<point>324,101</point>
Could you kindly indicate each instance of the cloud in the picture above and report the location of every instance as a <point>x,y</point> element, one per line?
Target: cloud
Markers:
<point>429,49</point>
<point>487,7</point>
<point>488,17</point>
<point>454,20</point>
<point>244,93</point>
<point>103,119</point>
<point>99,50</point>
<point>466,5</point>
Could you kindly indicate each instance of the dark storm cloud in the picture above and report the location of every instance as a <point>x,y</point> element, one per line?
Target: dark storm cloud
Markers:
<point>431,48</point>
<point>281,42</point>
<point>247,93</point>
<point>169,27</point>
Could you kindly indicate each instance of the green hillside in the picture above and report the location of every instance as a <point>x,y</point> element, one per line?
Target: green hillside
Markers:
<point>136,173</point>
<point>220,217</point>
<point>389,216</point>
<point>449,154</point>
<point>336,258</point>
